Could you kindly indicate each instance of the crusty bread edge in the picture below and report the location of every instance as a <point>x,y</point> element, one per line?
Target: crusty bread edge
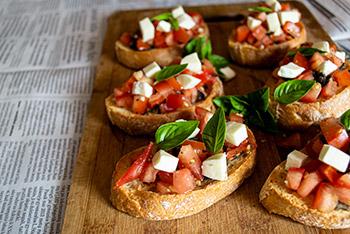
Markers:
<point>278,199</point>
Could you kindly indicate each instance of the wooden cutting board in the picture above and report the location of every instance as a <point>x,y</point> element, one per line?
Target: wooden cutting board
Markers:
<point>89,209</point>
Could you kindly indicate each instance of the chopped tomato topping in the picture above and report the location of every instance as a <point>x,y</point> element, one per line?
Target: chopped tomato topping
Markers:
<point>233,151</point>
<point>280,38</point>
<point>173,83</point>
<point>236,117</point>
<point>343,194</point>
<point>196,17</point>
<point>183,181</point>
<point>301,60</point>
<point>334,59</point>
<point>166,177</point>
<point>309,183</point>
<point>294,177</point>
<point>344,181</point>
<point>330,89</point>
<point>251,39</point>
<point>325,199</point>
<point>203,116</point>
<point>285,7</point>
<point>329,173</point>
<point>334,133</point>
<point>164,188</point>
<point>139,105</point>
<point>198,147</point>
<point>261,16</point>
<point>316,60</point>
<point>149,173</point>
<point>125,101</point>
<point>142,45</point>
<point>342,77</point>
<point>242,33</point>
<point>155,99</point>
<point>306,75</point>
<point>291,29</point>
<point>259,33</point>
<point>175,101</point>
<point>159,40</point>
<point>126,39</point>
<point>182,36</point>
<point>169,39</point>
<point>191,94</point>
<point>189,159</point>
<point>313,94</point>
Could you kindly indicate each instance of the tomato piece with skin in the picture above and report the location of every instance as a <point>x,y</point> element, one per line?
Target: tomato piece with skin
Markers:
<point>294,177</point>
<point>233,151</point>
<point>197,18</point>
<point>335,133</point>
<point>189,159</point>
<point>126,39</point>
<point>169,39</point>
<point>199,148</point>
<point>307,75</point>
<point>316,60</point>
<point>313,94</point>
<point>203,116</point>
<point>342,77</point>
<point>309,183</point>
<point>165,177</point>
<point>164,88</point>
<point>164,188</point>
<point>251,39</point>
<point>344,181</point>
<point>175,101</point>
<point>292,29</point>
<point>325,199</point>
<point>301,60</point>
<point>124,101</point>
<point>155,99</point>
<point>135,170</point>
<point>183,181</point>
<point>191,94</point>
<point>329,173</point>
<point>259,33</point>
<point>182,36</point>
<point>343,194</point>
<point>285,7</point>
<point>172,82</point>
<point>330,89</point>
<point>149,173</point>
<point>159,40</point>
<point>140,45</point>
<point>242,33</point>
<point>139,105</point>
<point>267,41</point>
<point>236,117</point>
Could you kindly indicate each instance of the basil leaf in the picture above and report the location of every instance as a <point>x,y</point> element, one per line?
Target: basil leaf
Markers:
<point>218,61</point>
<point>215,132</point>
<point>170,71</point>
<point>202,46</point>
<point>191,46</point>
<point>174,23</point>
<point>260,9</point>
<point>306,51</point>
<point>260,98</point>
<point>232,104</point>
<point>173,134</point>
<point>163,16</point>
<point>292,90</point>
<point>345,120</point>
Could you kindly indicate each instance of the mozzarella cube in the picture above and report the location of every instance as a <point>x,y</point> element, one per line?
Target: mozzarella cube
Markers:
<point>278,32</point>
<point>164,161</point>
<point>341,55</point>
<point>142,88</point>
<point>276,6</point>
<point>187,81</point>
<point>253,23</point>
<point>227,73</point>
<point>334,157</point>
<point>215,167</point>
<point>273,22</point>
<point>194,63</point>
<point>164,26</point>
<point>236,133</point>
<point>147,29</point>
<point>151,69</point>
<point>295,159</point>
<point>270,2</point>
<point>138,75</point>
<point>321,45</point>
<point>194,133</point>
<point>327,67</point>
<point>291,16</point>
<point>186,21</point>
<point>290,70</point>
<point>178,11</point>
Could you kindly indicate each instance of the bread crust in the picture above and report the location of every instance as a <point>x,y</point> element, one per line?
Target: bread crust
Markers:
<point>300,115</point>
<point>246,54</point>
<point>135,200</point>
<point>139,59</point>
<point>136,124</point>
<point>277,198</point>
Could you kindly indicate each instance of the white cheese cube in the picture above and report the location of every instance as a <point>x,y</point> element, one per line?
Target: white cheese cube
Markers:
<point>327,67</point>
<point>187,81</point>
<point>151,69</point>
<point>164,161</point>
<point>215,167</point>
<point>138,75</point>
<point>295,159</point>
<point>341,55</point>
<point>253,23</point>
<point>334,157</point>
<point>186,21</point>
<point>147,29</point>
<point>278,32</point>
<point>236,133</point>
<point>273,22</point>
<point>276,6</point>
<point>270,2</point>
<point>321,45</point>
<point>178,11</point>
<point>194,133</point>
<point>291,16</point>
<point>164,26</point>
<point>142,88</point>
<point>228,73</point>
<point>290,70</point>
<point>194,64</point>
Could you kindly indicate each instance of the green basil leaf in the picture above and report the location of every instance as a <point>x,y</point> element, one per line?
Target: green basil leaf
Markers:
<point>264,120</point>
<point>170,71</point>
<point>292,90</point>
<point>260,9</point>
<point>345,120</point>
<point>306,51</point>
<point>260,98</point>
<point>174,23</point>
<point>173,134</point>
<point>191,46</point>
<point>230,104</point>
<point>218,61</point>
<point>163,16</point>
<point>215,132</point>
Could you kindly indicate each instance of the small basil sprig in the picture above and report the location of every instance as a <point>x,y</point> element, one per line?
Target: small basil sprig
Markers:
<point>173,134</point>
<point>170,71</point>
<point>214,132</point>
<point>218,61</point>
<point>169,17</point>
<point>260,9</point>
<point>306,51</point>
<point>345,120</point>
<point>292,90</point>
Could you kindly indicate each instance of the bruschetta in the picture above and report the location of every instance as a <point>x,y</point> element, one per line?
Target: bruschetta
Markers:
<point>268,32</point>
<point>192,165</point>
<point>154,96</point>
<point>311,84</point>
<point>160,39</point>
<point>313,185</point>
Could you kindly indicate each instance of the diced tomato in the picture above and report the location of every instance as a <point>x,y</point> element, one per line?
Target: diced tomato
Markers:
<point>139,105</point>
<point>259,33</point>
<point>175,101</point>
<point>183,181</point>
<point>203,116</point>
<point>294,177</point>
<point>127,86</point>
<point>197,18</point>
<point>280,38</point>
<point>199,148</point>
<point>285,7</point>
<point>251,39</point>
<point>125,101</point>
<point>236,117</point>
<point>309,183</point>
<point>334,59</point>
<point>242,33</point>
<point>329,173</point>
<point>190,160</point>
<point>344,181</point>
<point>155,99</point>
<point>313,94</point>
<point>284,61</point>
<point>164,88</point>
<point>291,29</point>
<point>293,141</point>
<point>307,75</point>
<point>159,40</point>
<point>191,94</point>
<point>301,60</point>
<point>267,41</point>
<point>126,39</point>
<point>164,188</point>
<point>208,67</point>
<point>135,170</point>
<point>182,36</point>
<point>142,45</point>
<point>166,177</point>
<point>173,83</point>
<point>343,194</point>
<point>325,199</point>
<point>330,89</point>
<point>316,60</point>
<point>233,151</point>
<point>335,133</point>
<point>342,77</point>
<point>312,165</point>
<point>313,148</point>
<point>169,39</point>
<point>149,173</point>
<point>261,16</point>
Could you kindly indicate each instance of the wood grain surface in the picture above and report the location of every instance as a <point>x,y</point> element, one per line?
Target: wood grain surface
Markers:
<point>89,209</point>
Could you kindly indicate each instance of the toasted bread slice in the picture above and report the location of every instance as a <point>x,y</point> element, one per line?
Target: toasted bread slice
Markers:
<point>139,59</point>
<point>277,198</point>
<point>136,199</point>
<point>246,54</point>
<point>136,124</point>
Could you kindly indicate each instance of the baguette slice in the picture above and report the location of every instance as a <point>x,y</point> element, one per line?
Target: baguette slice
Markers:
<point>246,54</point>
<point>138,59</point>
<point>277,198</point>
<point>136,124</point>
<point>135,198</point>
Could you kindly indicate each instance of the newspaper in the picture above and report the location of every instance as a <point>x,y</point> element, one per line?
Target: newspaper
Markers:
<point>48,55</point>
